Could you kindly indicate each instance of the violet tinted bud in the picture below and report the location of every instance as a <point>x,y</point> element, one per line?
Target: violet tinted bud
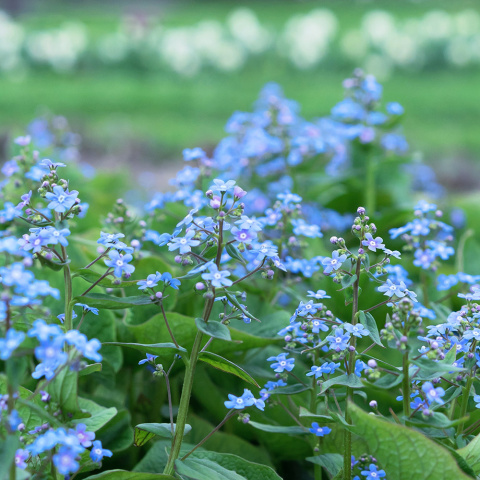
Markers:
<point>361,250</point>
<point>372,363</point>
<point>21,427</point>
<point>404,339</point>
<point>152,298</point>
<point>357,227</point>
<point>45,184</point>
<point>215,202</point>
<point>221,214</point>
<point>438,213</point>
<point>351,348</point>
<point>48,256</point>
<point>246,418</point>
<point>199,286</point>
<point>185,261</point>
<point>178,259</point>
<point>373,404</point>
<point>270,274</point>
<point>470,355</point>
<point>27,262</point>
<point>333,240</point>
<point>159,295</point>
<point>239,192</point>
<point>135,244</point>
<point>209,193</point>
<point>119,201</point>
<point>142,223</point>
<point>288,338</point>
<point>361,211</point>
<point>208,295</point>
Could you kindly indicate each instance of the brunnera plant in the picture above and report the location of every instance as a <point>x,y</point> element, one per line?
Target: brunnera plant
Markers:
<point>205,279</point>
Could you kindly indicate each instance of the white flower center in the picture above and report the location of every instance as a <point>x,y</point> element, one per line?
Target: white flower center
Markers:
<point>61,198</point>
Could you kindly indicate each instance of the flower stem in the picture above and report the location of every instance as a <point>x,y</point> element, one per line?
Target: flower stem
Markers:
<point>406,386</point>
<point>370,193</point>
<point>464,404</point>
<point>184,404</point>
<point>68,292</point>
<point>347,452</point>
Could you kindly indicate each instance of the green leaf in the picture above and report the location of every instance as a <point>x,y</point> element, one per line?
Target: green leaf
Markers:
<point>367,320</point>
<point>214,329</point>
<point>306,413</point>
<point>117,434</point>
<point>160,349</point>
<point>351,381</point>
<point>332,462</point>
<point>430,369</point>
<point>437,420</point>
<point>389,381</point>
<point>348,281</point>
<point>233,251</point>
<point>403,452</point>
<point>223,466</point>
<point>56,266</point>
<point>290,389</point>
<point>8,448</point>
<point>234,301</point>
<point>124,475</point>
<point>226,366</point>
<point>291,430</point>
<point>63,389</point>
<point>101,300</point>
<point>94,367</point>
<point>471,454</point>
<point>109,282</point>
<point>146,431</point>
<point>100,416</point>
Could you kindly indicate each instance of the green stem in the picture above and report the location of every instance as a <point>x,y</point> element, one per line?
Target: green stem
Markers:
<point>347,453</point>
<point>68,292</point>
<point>406,386</point>
<point>370,193</point>
<point>317,470</point>
<point>184,404</point>
<point>465,397</point>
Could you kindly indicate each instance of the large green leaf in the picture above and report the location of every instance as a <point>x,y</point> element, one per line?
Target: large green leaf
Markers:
<point>290,430</point>
<point>100,416</point>
<point>160,349</point>
<point>332,462</point>
<point>223,466</point>
<point>183,327</point>
<point>8,448</point>
<point>471,454</point>
<point>124,475</point>
<point>226,366</point>
<point>102,300</point>
<point>146,431</point>
<point>117,434</point>
<point>351,381</point>
<point>63,389</point>
<point>213,329</point>
<point>402,452</point>
<point>367,320</point>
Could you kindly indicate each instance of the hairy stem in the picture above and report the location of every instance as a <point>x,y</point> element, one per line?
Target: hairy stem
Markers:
<point>464,404</point>
<point>406,386</point>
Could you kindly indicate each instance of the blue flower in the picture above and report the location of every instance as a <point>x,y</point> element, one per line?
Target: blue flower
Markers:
<point>98,452</point>
<point>281,363</point>
<point>218,278</point>
<point>391,289</point>
<point>357,330</point>
<point>61,200</point>
<point>476,399</point>
<point>360,365</point>
<point>433,394</point>
<point>184,244</point>
<point>85,438</point>
<point>119,263</point>
<point>220,186</point>
<point>318,430</point>
<point>373,473</point>
<point>334,263</point>
<point>246,400</point>
<point>66,460</point>
<point>193,154</point>
<point>319,294</point>
<point>10,343</point>
<point>151,281</point>
<point>170,281</point>
<point>318,325</point>
<point>150,359</point>
<point>109,239</point>
<point>327,367</point>
<point>373,243</point>
<point>86,308</point>
<point>339,341</point>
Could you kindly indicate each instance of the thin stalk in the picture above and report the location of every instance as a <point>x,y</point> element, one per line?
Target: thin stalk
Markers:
<point>291,415</point>
<point>229,415</point>
<point>406,386</point>
<point>169,395</point>
<point>347,453</point>
<point>68,292</point>
<point>98,258</point>
<point>183,406</point>
<point>464,404</point>
<point>317,469</point>
<point>106,274</point>
<point>168,325</point>
<point>11,393</point>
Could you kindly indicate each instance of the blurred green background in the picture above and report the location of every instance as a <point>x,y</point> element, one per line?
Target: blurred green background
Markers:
<point>129,113</point>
